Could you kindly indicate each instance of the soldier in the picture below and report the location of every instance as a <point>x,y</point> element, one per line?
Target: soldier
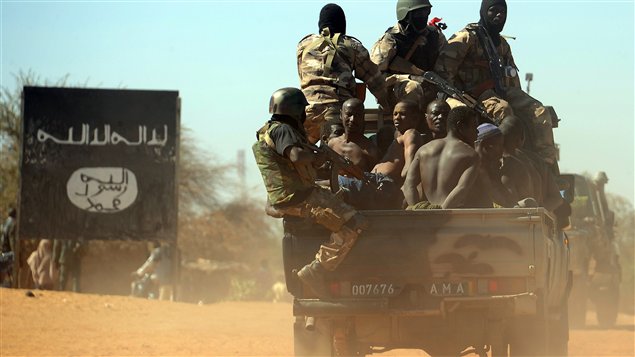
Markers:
<point>478,60</point>
<point>67,254</point>
<point>328,64</point>
<point>436,120</point>
<point>407,50</point>
<point>287,166</point>
<point>444,171</point>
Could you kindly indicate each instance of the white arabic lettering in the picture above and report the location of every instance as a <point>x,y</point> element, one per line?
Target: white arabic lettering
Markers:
<point>109,137</point>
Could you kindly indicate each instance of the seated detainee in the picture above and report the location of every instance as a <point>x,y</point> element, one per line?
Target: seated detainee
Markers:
<point>518,175</point>
<point>353,144</point>
<point>444,171</point>
<point>488,191</point>
<point>377,191</point>
<point>436,124</point>
<point>407,141</point>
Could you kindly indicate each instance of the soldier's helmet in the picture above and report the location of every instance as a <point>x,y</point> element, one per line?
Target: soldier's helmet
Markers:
<point>405,6</point>
<point>601,178</point>
<point>288,101</point>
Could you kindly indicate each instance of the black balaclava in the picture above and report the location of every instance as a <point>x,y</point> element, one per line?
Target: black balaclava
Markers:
<point>332,16</point>
<point>493,30</point>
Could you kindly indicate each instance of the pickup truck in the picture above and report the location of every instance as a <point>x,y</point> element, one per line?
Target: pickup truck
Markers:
<point>448,282</point>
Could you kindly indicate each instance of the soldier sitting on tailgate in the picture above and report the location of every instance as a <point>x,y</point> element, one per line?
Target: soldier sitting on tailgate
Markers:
<point>328,64</point>
<point>287,165</point>
<point>407,50</point>
<point>478,60</point>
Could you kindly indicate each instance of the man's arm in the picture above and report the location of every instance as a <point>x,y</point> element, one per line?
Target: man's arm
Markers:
<point>452,55</point>
<point>367,71</point>
<point>412,142</point>
<point>413,180</point>
<point>457,196</point>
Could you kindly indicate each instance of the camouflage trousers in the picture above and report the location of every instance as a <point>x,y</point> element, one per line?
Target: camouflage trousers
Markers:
<point>406,89</point>
<point>318,115</point>
<point>332,213</point>
<point>537,118</point>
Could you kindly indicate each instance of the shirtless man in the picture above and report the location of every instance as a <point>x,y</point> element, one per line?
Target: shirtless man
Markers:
<point>436,120</point>
<point>488,190</point>
<point>353,144</point>
<point>518,175</point>
<point>407,141</point>
<point>444,170</point>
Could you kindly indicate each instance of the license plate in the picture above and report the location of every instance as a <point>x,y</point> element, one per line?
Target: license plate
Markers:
<point>373,289</point>
<point>446,288</point>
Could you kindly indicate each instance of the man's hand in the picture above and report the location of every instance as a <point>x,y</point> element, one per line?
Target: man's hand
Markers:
<point>320,157</point>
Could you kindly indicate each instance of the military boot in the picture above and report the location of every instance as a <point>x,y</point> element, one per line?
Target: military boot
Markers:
<point>312,275</point>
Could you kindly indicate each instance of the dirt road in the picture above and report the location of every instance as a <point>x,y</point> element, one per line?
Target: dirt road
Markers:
<point>67,324</point>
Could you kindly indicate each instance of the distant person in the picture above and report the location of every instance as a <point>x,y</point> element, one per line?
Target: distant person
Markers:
<point>328,63</point>
<point>436,123</point>
<point>8,232</point>
<point>401,151</point>
<point>69,262</point>
<point>444,171</point>
<point>407,50</point>
<point>42,267</point>
<point>160,265</point>
<point>463,62</point>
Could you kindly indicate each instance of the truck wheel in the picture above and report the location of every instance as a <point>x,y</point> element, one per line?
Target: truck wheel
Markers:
<point>558,335</point>
<point>578,302</point>
<point>317,342</point>
<point>606,307</point>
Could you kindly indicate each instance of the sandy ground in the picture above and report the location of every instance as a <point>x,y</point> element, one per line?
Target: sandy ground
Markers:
<point>68,324</point>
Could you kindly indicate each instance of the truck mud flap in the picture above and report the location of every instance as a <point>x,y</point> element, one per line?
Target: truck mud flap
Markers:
<point>315,307</point>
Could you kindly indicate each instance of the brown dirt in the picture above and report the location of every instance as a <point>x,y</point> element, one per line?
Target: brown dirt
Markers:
<point>67,324</point>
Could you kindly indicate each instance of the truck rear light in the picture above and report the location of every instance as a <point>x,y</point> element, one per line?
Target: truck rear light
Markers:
<point>492,286</point>
<point>481,286</point>
<point>335,289</point>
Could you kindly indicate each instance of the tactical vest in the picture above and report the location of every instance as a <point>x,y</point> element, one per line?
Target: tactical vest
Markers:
<point>283,180</point>
<point>425,55</point>
<point>329,62</point>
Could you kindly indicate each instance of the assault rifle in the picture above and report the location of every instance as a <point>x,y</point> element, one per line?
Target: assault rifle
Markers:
<point>339,162</point>
<point>493,60</point>
<point>453,92</point>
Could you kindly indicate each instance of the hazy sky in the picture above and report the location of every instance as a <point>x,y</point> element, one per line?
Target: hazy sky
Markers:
<point>227,57</point>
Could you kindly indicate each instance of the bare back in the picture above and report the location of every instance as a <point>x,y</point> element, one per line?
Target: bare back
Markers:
<point>442,173</point>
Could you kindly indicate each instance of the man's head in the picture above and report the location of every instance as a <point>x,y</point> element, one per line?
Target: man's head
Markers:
<point>462,123</point>
<point>332,16</point>
<point>414,13</point>
<point>290,102</point>
<point>405,116</point>
<point>493,15</point>
<point>437,117</point>
<point>489,142</point>
<point>352,115</point>
<point>513,133</point>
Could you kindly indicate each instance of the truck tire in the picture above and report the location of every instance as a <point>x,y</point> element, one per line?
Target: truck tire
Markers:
<point>528,337</point>
<point>317,342</point>
<point>606,306</point>
<point>558,334</point>
<point>578,302</point>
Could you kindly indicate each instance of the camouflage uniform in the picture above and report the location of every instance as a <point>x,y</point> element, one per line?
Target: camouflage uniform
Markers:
<point>285,181</point>
<point>327,67</point>
<point>463,62</point>
<point>418,51</point>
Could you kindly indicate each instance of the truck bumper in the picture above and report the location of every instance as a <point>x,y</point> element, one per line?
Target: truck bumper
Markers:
<point>505,305</point>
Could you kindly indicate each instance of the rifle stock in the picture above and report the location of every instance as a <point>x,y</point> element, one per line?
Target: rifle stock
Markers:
<point>340,162</point>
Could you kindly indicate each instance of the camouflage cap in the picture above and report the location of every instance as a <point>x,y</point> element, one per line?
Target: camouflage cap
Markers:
<point>405,6</point>
<point>287,101</point>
